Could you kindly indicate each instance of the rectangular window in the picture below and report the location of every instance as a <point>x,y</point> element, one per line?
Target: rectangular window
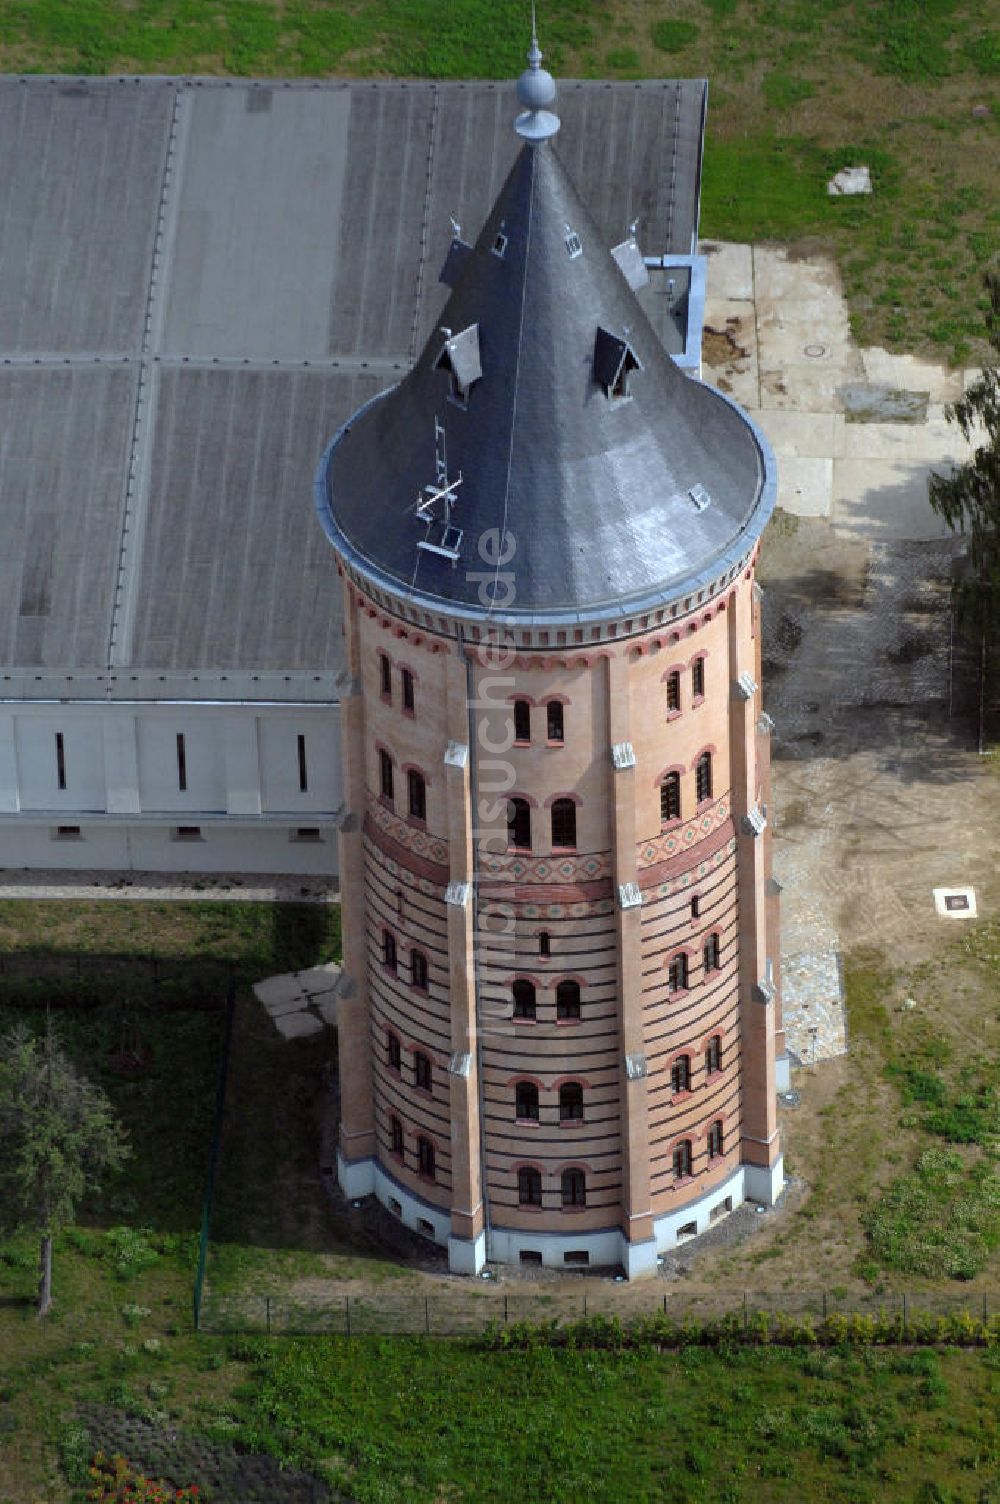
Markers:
<point>303,770</point>
<point>67,833</point>
<point>712,953</point>
<point>307,833</point>
<point>418,969</point>
<point>389,950</point>
<point>407,690</point>
<point>385,775</point>
<point>670,798</point>
<point>60,760</point>
<point>673,691</point>
<point>422,1071</point>
<point>397,1137</point>
<point>554,719</point>
<point>393,1052</point>
<point>187,833</point>
<point>544,944</point>
<point>418,795</point>
<point>385,676</point>
<point>182,774</point>
<point>522,721</point>
<point>695,906</point>
<point>698,678</point>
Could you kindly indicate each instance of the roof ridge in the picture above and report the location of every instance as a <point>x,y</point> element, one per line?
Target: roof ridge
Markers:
<point>517,377</point>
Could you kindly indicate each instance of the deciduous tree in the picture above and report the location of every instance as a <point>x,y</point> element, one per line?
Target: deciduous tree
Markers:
<point>58,1136</point>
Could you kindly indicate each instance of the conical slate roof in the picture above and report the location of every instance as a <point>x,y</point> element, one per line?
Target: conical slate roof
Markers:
<point>593,489</point>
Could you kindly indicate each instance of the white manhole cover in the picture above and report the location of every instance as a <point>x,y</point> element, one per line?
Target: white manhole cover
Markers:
<point>815,352</point>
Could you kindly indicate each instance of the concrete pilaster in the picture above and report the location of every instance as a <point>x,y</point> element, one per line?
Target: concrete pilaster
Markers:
<point>760,1144</point>
<point>637,1212</point>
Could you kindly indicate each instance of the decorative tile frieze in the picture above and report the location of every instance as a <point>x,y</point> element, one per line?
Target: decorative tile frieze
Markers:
<point>522,867</point>
<point>681,837</point>
<point>694,874</point>
<point>421,842</point>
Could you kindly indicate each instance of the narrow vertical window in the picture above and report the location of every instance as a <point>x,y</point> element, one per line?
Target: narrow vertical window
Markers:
<point>673,691</point>
<point>422,1071</point>
<point>407,679</point>
<point>418,969</point>
<point>574,1188</point>
<point>385,775</point>
<point>713,1055</point>
<point>712,953</point>
<point>522,721</point>
<point>60,760</point>
<point>564,823</point>
<point>519,824</point>
<point>670,798</point>
<point>680,1075</point>
<point>523,993</point>
<point>182,772</point>
<point>393,1054</point>
<point>303,770</point>
<point>698,678</point>
<point>544,944</point>
<point>695,906</point>
<point>715,1141</point>
<point>389,950</point>
<point>554,720</point>
<point>418,794</point>
<point>682,1160</point>
<point>677,973</point>
<point>396,1129</point>
<point>703,777</point>
<point>385,676</point>
<point>425,1158</point>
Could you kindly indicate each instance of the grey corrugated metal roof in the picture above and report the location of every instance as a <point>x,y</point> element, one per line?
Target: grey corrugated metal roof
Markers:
<point>168,223</point>
<point>594,491</point>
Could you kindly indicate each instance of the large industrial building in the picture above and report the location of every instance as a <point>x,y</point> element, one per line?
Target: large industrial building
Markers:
<point>561,1013</point>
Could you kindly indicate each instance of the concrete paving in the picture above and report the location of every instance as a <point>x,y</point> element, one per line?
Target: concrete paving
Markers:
<point>778,340</point>
<point>300,1003</point>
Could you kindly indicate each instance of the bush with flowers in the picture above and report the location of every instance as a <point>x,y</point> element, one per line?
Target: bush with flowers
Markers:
<point>116,1481</point>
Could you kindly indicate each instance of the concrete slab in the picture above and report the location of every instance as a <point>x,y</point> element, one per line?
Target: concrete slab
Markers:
<point>276,1010</point>
<point>298,1025</point>
<point>805,388</point>
<point>934,443</point>
<point>318,980</point>
<point>730,268</point>
<point>327,1010</point>
<point>740,385</point>
<point>274,992</point>
<point>801,435</point>
<point>805,486</point>
<point>884,499</point>
<point>777,276</point>
<point>906,371</point>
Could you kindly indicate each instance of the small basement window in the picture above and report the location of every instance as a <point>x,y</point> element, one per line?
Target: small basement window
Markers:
<point>530,1256</point>
<point>576,1256</point>
<point>188,833</point>
<point>307,834</point>
<point>67,833</point>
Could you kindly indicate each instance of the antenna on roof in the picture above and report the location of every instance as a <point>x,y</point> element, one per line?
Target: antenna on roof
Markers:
<point>456,228</point>
<point>536,89</point>
<point>634,228</point>
<point>435,503</point>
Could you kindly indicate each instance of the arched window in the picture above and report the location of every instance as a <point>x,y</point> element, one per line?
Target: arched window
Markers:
<point>673,691</point>
<point>418,794</point>
<point>713,1055</point>
<point>418,969</point>
<point>574,1188</point>
<point>524,998</point>
<point>396,1134</point>
<point>698,678</point>
<point>519,824</point>
<point>670,797</point>
<point>522,721</point>
<point>422,1071</point>
<point>425,1158</point>
<point>568,1000</point>
<point>392,1051</point>
<point>526,1101</point>
<point>389,950</point>
<point>715,1141</point>
<point>564,823</point>
<point>554,721</point>
<point>570,1102</point>
<point>529,1186</point>
<point>680,1074</point>
<point>682,1160</point>
<point>677,973</point>
<point>385,774</point>
<point>385,676</point>
<point>406,675</point>
<point>711,953</point>
<point>703,777</point>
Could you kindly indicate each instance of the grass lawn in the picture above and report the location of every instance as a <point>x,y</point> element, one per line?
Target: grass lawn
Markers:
<point>798,88</point>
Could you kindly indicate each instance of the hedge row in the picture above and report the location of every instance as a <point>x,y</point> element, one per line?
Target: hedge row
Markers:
<point>756,1329</point>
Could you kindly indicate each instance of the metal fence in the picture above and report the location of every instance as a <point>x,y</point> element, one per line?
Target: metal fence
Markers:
<point>465,1313</point>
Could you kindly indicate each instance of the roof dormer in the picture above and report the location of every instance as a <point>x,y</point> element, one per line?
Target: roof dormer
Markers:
<point>459,356</point>
<point>614,362</point>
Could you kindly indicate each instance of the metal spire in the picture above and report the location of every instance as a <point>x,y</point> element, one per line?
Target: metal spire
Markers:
<point>536,89</point>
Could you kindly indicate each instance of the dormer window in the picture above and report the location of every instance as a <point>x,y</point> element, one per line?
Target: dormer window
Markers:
<point>499,246</point>
<point>614,362</point>
<point>574,245</point>
<point>460,358</point>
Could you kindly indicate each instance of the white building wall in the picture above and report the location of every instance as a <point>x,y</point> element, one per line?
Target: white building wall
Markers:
<point>123,808</point>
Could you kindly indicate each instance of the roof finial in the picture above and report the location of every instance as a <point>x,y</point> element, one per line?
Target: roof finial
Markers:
<point>535,90</point>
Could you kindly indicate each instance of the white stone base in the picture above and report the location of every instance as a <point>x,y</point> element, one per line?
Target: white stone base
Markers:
<point>762,1184</point>
<point>783,1072</point>
<point>466,1255</point>
<point>607,1247</point>
<point>356,1177</point>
